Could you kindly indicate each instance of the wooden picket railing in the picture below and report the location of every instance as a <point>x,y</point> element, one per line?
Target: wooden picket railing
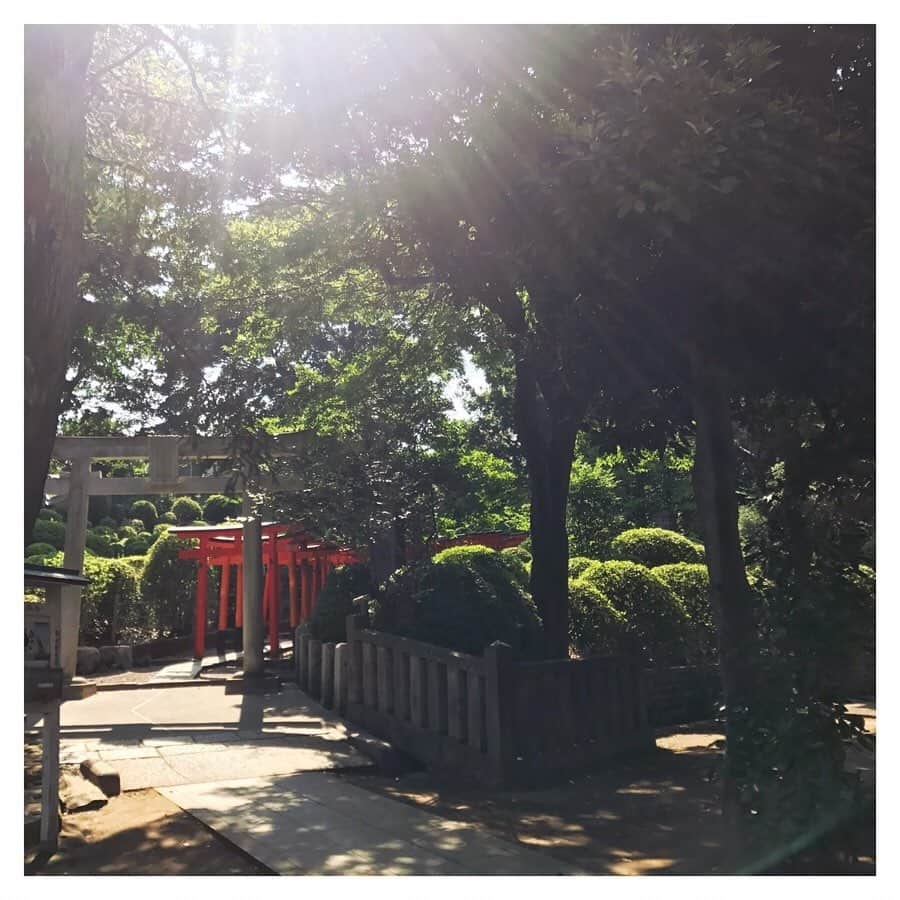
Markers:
<point>487,718</point>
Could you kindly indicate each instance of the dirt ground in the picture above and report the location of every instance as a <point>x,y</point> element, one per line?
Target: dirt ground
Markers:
<point>141,833</point>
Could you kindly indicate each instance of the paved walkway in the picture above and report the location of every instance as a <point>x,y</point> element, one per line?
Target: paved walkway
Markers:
<point>318,824</point>
<point>159,736</point>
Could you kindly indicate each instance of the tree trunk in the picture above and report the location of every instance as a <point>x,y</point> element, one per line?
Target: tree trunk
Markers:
<point>547,432</point>
<point>56,61</point>
<point>715,482</point>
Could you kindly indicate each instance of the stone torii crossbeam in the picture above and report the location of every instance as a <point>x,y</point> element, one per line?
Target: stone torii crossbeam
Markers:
<point>164,453</point>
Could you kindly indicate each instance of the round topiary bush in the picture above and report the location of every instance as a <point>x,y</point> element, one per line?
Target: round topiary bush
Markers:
<point>519,561</point>
<point>335,601</point>
<point>139,544</point>
<point>577,565</point>
<point>169,586</point>
<point>161,528</point>
<point>186,510</point>
<point>127,531</point>
<point>50,515</point>
<point>40,550</point>
<point>168,518</point>
<point>596,627</point>
<point>46,531</point>
<point>218,508</point>
<point>101,542</point>
<point>467,600</point>
<point>146,512</point>
<point>654,618</point>
<point>653,547</point>
<point>689,582</point>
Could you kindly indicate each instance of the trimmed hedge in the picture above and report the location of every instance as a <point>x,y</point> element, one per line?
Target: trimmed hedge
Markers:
<point>578,564</point>
<point>654,617</point>
<point>335,601</point>
<point>146,512</point>
<point>39,549</point>
<point>689,582</point>
<point>102,542</point>
<point>653,547</point>
<point>48,531</point>
<point>468,597</point>
<point>168,518</point>
<point>596,627</point>
<point>218,508</point>
<point>139,544</point>
<point>169,586</point>
<point>186,510</point>
<point>50,515</point>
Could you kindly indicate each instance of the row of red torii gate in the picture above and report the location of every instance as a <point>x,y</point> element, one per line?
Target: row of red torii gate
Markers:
<point>307,559</point>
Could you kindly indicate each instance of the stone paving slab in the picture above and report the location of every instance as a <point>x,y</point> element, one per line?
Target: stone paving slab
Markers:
<point>318,824</point>
<point>158,736</point>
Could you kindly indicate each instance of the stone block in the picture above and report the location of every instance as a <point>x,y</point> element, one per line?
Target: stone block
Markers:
<point>103,775</point>
<point>116,657</point>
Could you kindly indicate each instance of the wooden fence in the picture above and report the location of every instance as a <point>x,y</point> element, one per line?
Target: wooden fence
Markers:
<point>487,717</point>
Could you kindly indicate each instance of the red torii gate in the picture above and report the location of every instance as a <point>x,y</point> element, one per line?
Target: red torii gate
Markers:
<point>282,545</point>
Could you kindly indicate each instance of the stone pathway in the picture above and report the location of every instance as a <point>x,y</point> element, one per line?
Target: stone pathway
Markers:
<point>317,824</point>
<point>158,736</point>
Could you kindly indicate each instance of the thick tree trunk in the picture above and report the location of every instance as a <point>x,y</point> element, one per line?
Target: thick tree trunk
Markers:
<point>547,432</point>
<point>56,61</point>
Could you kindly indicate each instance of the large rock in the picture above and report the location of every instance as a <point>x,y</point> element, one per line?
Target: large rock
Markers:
<point>88,660</point>
<point>116,657</point>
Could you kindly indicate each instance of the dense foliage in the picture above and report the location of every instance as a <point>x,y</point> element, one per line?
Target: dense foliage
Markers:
<point>655,547</point>
<point>596,627</point>
<point>689,583</point>
<point>335,601</point>
<point>186,510</point>
<point>218,508</point>
<point>146,512</point>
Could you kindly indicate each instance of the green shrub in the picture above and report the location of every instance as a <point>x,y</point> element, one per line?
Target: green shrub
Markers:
<point>111,607</point>
<point>169,586</point>
<point>654,618</point>
<point>168,518</point>
<point>46,531</point>
<point>50,515</point>
<point>137,525</point>
<point>127,531</point>
<point>335,601</point>
<point>689,582</point>
<point>519,561</point>
<point>107,522</point>
<point>653,547</point>
<point>146,512</point>
<point>101,543</point>
<point>186,510</point>
<point>577,565</point>
<point>161,528</point>
<point>218,508</point>
<point>137,563</point>
<point>520,552</point>
<point>33,551</point>
<point>139,544</point>
<point>596,627</point>
<point>466,601</point>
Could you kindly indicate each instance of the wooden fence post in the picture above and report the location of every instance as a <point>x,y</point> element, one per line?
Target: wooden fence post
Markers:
<point>341,672</point>
<point>327,691</point>
<point>354,668</point>
<point>314,685</point>
<point>499,698</point>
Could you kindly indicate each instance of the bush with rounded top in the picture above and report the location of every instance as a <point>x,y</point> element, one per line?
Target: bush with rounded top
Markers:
<point>137,525</point>
<point>335,601</point>
<point>186,510</point>
<point>218,508</point>
<point>161,528</point>
<point>127,531</point>
<point>107,522</point>
<point>168,518</point>
<point>40,550</point>
<point>519,562</point>
<point>146,512</point>
<point>46,531</point>
<point>101,542</point>
<point>139,544</point>
<point>653,547</point>
<point>689,582</point>
<point>654,618</point>
<point>596,627</point>
<point>464,601</point>
<point>577,565</point>
<point>50,515</point>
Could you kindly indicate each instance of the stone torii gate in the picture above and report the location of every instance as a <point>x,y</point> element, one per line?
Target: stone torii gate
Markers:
<point>164,453</point>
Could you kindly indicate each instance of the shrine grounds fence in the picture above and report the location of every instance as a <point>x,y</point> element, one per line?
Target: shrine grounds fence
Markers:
<point>485,718</point>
